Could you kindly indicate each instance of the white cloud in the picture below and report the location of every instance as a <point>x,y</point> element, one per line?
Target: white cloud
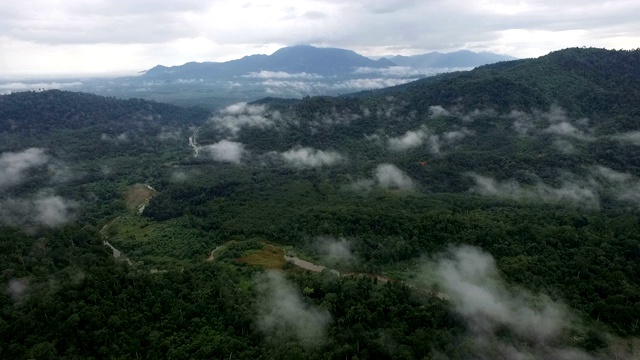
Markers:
<point>14,165</point>
<point>579,192</point>
<point>415,138</point>
<point>281,75</point>
<point>225,151</point>
<point>567,130</point>
<point>242,115</point>
<point>283,314</point>
<point>44,209</point>
<point>632,137</point>
<point>410,139</point>
<point>437,111</point>
<point>390,177</point>
<point>391,71</point>
<point>472,284</point>
<point>71,36</point>
<point>310,158</point>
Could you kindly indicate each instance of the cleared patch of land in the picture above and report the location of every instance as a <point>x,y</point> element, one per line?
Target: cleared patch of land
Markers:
<point>269,257</point>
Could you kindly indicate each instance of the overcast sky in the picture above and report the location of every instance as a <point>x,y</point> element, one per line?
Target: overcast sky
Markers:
<point>61,37</point>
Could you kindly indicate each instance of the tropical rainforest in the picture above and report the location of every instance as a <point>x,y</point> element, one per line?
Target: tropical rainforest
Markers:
<point>487,214</point>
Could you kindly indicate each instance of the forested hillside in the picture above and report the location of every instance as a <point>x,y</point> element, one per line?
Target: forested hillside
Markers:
<point>476,215</point>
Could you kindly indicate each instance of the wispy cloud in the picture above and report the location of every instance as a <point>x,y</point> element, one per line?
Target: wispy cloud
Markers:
<point>307,157</point>
<point>242,115</point>
<point>284,314</point>
<point>44,209</point>
<point>281,75</point>
<point>410,139</point>
<point>632,137</point>
<point>579,192</point>
<point>14,165</point>
<point>391,71</point>
<point>334,252</point>
<point>472,283</point>
<point>423,136</point>
<point>390,177</point>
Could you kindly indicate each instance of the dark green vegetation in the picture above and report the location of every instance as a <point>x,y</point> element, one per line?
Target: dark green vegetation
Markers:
<point>533,161</point>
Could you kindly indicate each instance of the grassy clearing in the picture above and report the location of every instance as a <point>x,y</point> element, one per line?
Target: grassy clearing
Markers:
<point>269,257</point>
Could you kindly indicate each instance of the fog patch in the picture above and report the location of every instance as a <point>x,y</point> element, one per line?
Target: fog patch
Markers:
<point>523,123</point>
<point>567,130</point>
<point>624,186</point>
<point>14,165</point>
<point>225,151</point>
<point>283,313</point>
<point>632,137</point>
<point>488,305</point>
<point>281,75</point>
<point>334,252</point>
<point>391,71</point>
<point>438,111</point>
<point>410,139</point>
<point>388,176</point>
<point>8,88</point>
<point>242,115</point>
<point>44,209</point>
<point>416,138</point>
<point>564,146</point>
<point>120,138</point>
<point>17,289</point>
<point>169,134</point>
<point>307,157</point>
<point>580,193</point>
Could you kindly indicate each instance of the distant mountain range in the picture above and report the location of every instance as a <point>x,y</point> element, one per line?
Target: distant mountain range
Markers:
<point>293,60</point>
<point>320,61</point>
<point>290,72</point>
<point>458,59</point>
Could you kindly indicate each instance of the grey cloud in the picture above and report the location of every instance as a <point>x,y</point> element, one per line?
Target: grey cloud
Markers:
<point>564,146</point>
<point>390,177</point>
<point>624,186</point>
<point>17,288</point>
<point>567,130</point>
<point>452,136</point>
<point>437,111</point>
<point>225,151</point>
<point>237,116</point>
<point>415,138</point>
<point>7,88</point>
<point>472,283</point>
<point>314,15</point>
<point>120,138</point>
<point>391,71</point>
<point>611,175</point>
<point>334,252</point>
<point>283,313</point>
<point>307,157</point>
<point>41,210</point>
<point>385,176</point>
<point>169,134</point>
<point>14,165</point>
<point>523,122</point>
<point>579,192</point>
<point>281,75</point>
<point>409,140</point>
<point>632,137</point>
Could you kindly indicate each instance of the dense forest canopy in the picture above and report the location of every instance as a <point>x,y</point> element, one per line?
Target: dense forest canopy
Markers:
<point>473,215</point>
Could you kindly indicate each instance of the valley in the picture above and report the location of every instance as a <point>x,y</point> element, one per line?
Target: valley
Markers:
<point>492,211</point>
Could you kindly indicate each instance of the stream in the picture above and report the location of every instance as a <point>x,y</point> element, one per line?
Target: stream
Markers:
<point>193,143</point>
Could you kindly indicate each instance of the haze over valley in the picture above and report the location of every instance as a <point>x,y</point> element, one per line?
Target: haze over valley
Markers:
<point>388,192</point>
